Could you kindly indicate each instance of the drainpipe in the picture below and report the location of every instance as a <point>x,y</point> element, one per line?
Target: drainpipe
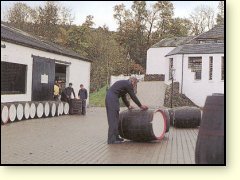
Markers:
<point>182,73</point>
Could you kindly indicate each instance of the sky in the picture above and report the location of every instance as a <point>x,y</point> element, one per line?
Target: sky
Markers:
<point>103,10</point>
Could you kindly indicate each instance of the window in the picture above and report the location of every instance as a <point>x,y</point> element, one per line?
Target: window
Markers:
<point>222,68</point>
<point>195,64</point>
<point>198,75</point>
<point>170,67</point>
<point>210,67</point>
<point>13,78</point>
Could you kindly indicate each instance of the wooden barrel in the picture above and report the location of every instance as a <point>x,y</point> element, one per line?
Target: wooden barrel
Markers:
<point>171,112</point>
<point>4,113</point>
<point>53,108</point>
<point>32,110</point>
<point>59,108</point>
<point>75,106</point>
<point>210,140</point>
<point>12,111</point>
<point>26,110</point>
<point>166,111</point>
<point>141,125</point>
<point>186,117</point>
<point>40,109</point>
<point>46,108</point>
<point>66,108</point>
<point>20,110</point>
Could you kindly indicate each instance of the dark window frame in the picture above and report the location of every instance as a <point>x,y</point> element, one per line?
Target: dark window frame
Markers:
<point>170,67</point>
<point>210,68</point>
<point>195,64</point>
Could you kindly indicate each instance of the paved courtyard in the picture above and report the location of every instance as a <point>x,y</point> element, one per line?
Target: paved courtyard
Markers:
<point>74,139</point>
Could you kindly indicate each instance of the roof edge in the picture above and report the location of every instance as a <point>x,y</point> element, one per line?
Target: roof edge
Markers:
<point>46,50</point>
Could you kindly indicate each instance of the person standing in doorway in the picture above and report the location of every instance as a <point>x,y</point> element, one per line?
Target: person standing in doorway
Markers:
<point>56,91</point>
<point>83,95</point>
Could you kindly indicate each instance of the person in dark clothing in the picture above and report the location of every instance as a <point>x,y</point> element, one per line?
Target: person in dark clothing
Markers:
<point>83,95</point>
<point>66,94</point>
<point>117,90</point>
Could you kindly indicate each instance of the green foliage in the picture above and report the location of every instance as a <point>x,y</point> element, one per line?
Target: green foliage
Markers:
<point>98,98</point>
<point>139,27</point>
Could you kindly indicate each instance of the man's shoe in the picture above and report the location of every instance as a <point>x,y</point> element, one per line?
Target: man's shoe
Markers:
<point>119,139</point>
<point>116,142</point>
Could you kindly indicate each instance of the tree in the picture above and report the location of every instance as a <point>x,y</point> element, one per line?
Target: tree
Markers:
<point>20,15</point>
<point>165,17</point>
<point>180,27</point>
<point>220,15</point>
<point>89,21</point>
<point>140,27</point>
<point>66,17</point>
<point>202,19</point>
<point>48,19</point>
<point>107,55</point>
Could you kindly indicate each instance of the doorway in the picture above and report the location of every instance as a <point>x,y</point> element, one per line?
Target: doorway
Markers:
<point>60,75</point>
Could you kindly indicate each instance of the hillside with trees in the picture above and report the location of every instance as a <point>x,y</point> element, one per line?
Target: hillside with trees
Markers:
<point>112,53</point>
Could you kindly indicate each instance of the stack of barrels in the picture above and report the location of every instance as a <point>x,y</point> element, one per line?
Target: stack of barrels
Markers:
<point>17,111</point>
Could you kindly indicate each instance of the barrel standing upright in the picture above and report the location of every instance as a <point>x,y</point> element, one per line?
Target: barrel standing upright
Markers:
<point>210,142</point>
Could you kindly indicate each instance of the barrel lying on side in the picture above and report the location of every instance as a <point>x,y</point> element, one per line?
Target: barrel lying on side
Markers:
<point>33,110</point>
<point>4,113</point>
<point>186,117</point>
<point>65,108</point>
<point>53,108</point>
<point>141,125</point>
<point>210,140</point>
<point>46,108</point>
<point>167,114</point>
<point>39,109</point>
<point>19,110</point>
<point>12,111</point>
<point>26,110</point>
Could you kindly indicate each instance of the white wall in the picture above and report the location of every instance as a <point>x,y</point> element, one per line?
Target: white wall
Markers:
<point>157,62</point>
<point>198,90</point>
<point>122,77</point>
<point>77,73</point>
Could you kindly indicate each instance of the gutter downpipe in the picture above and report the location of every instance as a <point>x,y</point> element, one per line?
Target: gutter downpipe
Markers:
<point>182,73</point>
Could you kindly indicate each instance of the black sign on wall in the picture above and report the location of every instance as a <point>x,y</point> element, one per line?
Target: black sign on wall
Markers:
<point>43,77</point>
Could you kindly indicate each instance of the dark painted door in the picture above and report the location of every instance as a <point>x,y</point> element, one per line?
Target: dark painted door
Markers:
<point>43,76</point>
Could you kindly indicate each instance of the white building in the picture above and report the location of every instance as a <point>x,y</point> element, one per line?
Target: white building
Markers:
<point>156,60</point>
<point>198,64</point>
<point>30,65</point>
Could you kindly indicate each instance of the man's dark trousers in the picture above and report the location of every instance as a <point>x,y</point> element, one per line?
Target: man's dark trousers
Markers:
<point>112,106</point>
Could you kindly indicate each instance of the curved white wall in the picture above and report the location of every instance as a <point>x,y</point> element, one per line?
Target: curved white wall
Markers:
<point>157,62</point>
